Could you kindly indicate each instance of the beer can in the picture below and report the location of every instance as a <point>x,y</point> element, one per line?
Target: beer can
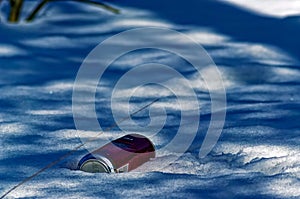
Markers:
<point>121,155</point>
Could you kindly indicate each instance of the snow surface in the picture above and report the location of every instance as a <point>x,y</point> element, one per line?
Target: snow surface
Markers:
<point>257,155</point>
<point>277,8</point>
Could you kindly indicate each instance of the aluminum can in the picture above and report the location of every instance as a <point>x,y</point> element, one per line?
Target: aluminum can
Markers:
<point>121,155</point>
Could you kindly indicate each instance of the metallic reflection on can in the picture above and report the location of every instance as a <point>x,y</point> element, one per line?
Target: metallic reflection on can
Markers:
<point>121,155</point>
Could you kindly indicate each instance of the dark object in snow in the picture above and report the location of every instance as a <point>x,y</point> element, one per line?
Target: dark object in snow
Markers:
<point>16,8</point>
<point>121,155</point>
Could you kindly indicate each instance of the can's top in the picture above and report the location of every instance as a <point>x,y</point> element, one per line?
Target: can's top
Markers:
<point>94,166</point>
<point>94,163</point>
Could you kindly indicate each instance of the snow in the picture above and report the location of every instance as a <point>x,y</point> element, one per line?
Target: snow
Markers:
<point>257,155</point>
<point>276,8</point>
